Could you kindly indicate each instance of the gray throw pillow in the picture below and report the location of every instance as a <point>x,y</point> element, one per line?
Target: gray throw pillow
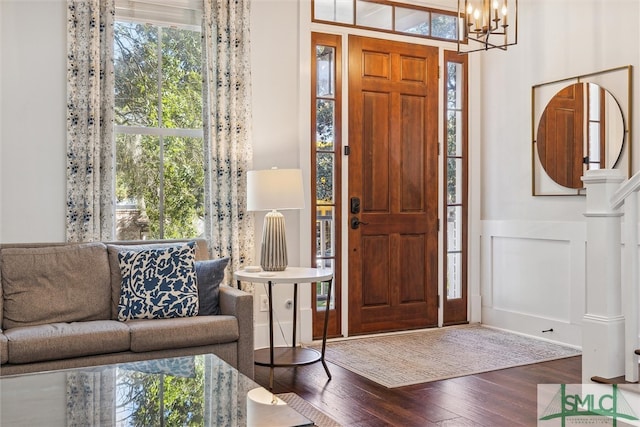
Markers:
<point>209,275</point>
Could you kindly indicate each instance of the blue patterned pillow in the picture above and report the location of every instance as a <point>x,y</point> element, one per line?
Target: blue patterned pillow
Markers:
<point>158,283</point>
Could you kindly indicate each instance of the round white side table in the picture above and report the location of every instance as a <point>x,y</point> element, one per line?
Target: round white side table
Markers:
<point>274,357</point>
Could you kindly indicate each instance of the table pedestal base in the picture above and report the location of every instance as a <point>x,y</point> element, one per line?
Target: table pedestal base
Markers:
<point>284,357</point>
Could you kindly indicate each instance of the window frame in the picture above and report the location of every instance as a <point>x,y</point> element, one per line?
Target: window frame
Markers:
<point>160,16</point>
<point>334,325</point>
<point>455,310</point>
<point>394,5</point>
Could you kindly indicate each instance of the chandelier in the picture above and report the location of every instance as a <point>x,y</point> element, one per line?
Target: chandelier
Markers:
<point>487,24</point>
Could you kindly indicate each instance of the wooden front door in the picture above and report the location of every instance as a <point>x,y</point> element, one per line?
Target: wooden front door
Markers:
<point>393,186</point>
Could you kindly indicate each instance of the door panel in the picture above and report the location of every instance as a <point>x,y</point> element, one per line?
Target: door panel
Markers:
<point>412,268</point>
<point>375,140</point>
<point>412,152</point>
<point>376,249</point>
<point>393,116</point>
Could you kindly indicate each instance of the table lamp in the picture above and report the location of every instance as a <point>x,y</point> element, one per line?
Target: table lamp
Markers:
<point>273,190</point>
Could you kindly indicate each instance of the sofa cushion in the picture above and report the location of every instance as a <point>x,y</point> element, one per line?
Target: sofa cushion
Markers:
<point>209,274</point>
<point>114,264</point>
<point>4,350</point>
<point>55,284</point>
<point>161,334</point>
<point>158,283</point>
<point>66,340</point>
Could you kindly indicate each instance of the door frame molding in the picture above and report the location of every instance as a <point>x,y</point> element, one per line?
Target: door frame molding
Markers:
<point>475,227</point>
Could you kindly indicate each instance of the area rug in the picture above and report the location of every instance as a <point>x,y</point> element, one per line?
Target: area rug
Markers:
<point>305,408</point>
<point>436,354</point>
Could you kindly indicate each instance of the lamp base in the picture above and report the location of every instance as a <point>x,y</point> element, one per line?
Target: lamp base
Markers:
<point>273,254</point>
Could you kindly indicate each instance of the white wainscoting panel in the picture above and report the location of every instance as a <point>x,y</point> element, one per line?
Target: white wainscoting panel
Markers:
<point>533,276</point>
<point>530,276</point>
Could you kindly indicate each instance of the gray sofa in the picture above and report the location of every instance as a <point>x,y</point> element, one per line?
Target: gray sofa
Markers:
<point>59,309</point>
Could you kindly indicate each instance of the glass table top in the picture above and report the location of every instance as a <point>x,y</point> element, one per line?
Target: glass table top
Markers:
<point>198,390</point>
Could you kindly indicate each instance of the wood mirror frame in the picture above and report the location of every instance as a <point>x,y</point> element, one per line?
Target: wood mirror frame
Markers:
<point>577,125</point>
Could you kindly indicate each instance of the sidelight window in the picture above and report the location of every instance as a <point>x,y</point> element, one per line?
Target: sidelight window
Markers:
<point>325,170</point>
<point>456,189</point>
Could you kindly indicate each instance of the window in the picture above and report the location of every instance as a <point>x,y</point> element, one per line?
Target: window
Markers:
<point>394,17</point>
<point>325,162</point>
<point>455,191</point>
<point>158,132</point>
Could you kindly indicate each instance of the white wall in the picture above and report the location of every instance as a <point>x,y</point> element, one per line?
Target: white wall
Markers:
<point>275,66</point>
<point>34,400</point>
<point>33,132</point>
<point>1,115</point>
<point>533,248</point>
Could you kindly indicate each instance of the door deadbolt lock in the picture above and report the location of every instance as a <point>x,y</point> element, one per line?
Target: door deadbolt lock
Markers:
<point>354,205</point>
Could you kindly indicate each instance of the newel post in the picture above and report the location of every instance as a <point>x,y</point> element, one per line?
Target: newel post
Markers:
<point>603,322</point>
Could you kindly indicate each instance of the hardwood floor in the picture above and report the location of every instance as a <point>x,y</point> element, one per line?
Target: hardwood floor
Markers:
<point>500,398</point>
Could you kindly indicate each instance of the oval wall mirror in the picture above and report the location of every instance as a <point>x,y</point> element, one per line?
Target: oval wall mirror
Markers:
<point>582,127</point>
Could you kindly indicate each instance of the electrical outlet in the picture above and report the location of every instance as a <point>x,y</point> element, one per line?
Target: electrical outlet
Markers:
<point>264,303</point>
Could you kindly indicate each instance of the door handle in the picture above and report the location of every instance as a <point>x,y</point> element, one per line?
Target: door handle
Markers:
<point>355,223</point>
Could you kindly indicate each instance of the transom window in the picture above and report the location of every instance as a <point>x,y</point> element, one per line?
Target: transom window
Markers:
<point>401,18</point>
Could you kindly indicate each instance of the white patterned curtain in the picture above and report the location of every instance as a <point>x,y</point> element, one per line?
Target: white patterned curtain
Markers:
<point>227,130</point>
<point>90,107</point>
<point>90,398</point>
<point>224,401</point>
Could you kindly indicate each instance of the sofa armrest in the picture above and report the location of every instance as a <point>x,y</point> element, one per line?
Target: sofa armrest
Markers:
<point>238,303</point>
